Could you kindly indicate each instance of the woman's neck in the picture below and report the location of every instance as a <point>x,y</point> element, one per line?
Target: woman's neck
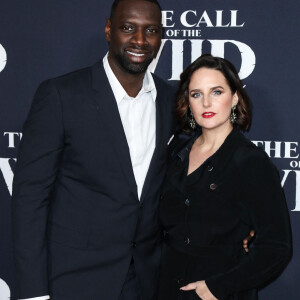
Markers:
<point>213,139</point>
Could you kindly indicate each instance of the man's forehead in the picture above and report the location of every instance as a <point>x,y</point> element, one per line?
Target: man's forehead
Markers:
<point>138,9</point>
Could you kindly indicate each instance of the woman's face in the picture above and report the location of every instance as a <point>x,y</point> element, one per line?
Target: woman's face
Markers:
<point>211,99</point>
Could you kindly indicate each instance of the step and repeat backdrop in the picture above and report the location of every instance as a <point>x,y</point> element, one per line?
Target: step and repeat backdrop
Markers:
<point>44,39</point>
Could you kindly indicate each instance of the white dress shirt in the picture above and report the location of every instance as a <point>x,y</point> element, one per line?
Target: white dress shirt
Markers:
<point>138,116</point>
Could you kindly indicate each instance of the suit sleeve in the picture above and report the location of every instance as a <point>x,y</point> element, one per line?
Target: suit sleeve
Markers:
<point>263,197</point>
<point>37,165</point>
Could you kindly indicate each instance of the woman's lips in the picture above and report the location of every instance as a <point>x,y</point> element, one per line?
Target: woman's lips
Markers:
<point>208,115</point>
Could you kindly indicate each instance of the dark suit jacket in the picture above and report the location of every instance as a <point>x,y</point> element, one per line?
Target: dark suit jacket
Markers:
<point>77,220</point>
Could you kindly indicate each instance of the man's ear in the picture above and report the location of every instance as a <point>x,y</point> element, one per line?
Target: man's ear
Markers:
<point>107,29</point>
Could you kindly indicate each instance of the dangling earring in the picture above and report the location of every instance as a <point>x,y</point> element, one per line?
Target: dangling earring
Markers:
<point>233,116</point>
<point>192,120</point>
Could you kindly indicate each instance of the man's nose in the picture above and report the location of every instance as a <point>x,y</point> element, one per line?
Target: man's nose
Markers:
<point>139,38</point>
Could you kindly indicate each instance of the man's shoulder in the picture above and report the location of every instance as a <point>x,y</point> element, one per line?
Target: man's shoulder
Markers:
<point>76,79</point>
<point>163,84</point>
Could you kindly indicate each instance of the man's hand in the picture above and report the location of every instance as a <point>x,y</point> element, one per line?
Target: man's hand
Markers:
<point>201,290</point>
<point>247,240</point>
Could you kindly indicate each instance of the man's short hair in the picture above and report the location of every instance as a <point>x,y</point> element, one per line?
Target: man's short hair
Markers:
<point>116,2</point>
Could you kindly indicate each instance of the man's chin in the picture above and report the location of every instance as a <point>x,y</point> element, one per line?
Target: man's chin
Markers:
<point>136,68</point>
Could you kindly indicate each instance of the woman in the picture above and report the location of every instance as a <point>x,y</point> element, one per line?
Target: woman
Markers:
<point>219,186</point>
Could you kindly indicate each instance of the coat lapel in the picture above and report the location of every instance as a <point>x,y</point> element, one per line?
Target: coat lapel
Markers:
<point>159,140</point>
<point>111,121</point>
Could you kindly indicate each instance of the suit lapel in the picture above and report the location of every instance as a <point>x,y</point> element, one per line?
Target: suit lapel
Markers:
<point>159,140</point>
<point>111,121</point>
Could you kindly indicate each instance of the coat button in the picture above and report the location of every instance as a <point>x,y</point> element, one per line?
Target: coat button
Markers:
<point>187,241</point>
<point>187,202</point>
<point>133,244</point>
<point>179,281</point>
<point>209,167</point>
<point>141,205</point>
<point>161,196</point>
<point>213,186</point>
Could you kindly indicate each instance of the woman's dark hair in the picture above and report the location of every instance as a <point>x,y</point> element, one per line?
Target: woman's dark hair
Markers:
<point>116,2</point>
<point>243,107</point>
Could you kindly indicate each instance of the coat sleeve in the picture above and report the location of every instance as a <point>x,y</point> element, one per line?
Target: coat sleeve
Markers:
<point>37,165</point>
<point>263,197</point>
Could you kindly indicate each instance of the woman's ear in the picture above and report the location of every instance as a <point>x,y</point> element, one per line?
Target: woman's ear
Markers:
<point>235,99</point>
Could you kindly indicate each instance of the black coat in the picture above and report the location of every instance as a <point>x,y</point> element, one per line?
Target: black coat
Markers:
<point>207,214</point>
<point>77,219</point>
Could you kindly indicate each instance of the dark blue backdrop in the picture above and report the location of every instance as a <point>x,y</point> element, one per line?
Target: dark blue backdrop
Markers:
<point>43,39</point>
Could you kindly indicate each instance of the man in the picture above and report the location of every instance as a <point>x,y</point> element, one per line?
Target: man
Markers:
<point>90,166</point>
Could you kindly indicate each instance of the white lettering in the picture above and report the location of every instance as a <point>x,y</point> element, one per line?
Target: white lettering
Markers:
<point>294,164</point>
<point>286,173</point>
<point>297,206</point>
<point>234,19</point>
<point>247,55</point>
<point>217,49</point>
<point>257,143</point>
<point>219,19</point>
<point>297,197</point>
<point>205,20</point>
<point>3,58</point>
<point>154,62</point>
<point>289,149</point>
<point>196,49</point>
<point>7,172</point>
<point>11,138</point>
<point>167,15</point>
<point>183,18</point>
<point>276,150</point>
<point>177,59</point>
<point>4,290</point>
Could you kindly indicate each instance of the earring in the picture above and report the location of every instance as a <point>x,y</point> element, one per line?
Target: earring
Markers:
<point>233,116</point>
<point>192,120</point>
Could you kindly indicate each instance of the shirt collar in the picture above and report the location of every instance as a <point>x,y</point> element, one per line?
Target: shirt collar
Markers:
<point>117,88</point>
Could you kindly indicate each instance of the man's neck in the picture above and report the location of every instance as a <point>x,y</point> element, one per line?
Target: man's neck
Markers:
<point>132,83</point>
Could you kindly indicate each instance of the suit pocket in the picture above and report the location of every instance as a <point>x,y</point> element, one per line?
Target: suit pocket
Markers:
<point>67,236</point>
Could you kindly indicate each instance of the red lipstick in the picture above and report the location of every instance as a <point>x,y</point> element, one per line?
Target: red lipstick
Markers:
<point>207,115</point>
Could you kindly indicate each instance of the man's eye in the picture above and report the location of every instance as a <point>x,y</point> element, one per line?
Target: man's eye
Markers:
<point>127,28</point>
<point>152,30</point>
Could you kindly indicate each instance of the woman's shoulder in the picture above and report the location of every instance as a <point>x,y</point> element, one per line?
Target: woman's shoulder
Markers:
<point>248,154</point>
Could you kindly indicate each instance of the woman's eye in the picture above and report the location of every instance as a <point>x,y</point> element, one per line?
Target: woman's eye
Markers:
<point>195,95</point>
<point>217,92</point>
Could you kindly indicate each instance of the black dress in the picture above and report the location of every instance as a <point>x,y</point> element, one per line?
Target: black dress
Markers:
<point>207,214</point>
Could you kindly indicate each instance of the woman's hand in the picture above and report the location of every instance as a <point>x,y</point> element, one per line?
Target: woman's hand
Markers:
<point>247,240</point>
<point>201,290</point>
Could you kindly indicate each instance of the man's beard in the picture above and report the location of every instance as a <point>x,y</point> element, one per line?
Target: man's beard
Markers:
<point>133,68</point>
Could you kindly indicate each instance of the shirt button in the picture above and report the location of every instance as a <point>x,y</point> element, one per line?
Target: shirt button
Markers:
<point>187,202</point>
<point>187,241</point>
<point>213,186</point>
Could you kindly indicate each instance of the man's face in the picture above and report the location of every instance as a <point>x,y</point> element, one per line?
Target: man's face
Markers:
<point>134,35</point>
